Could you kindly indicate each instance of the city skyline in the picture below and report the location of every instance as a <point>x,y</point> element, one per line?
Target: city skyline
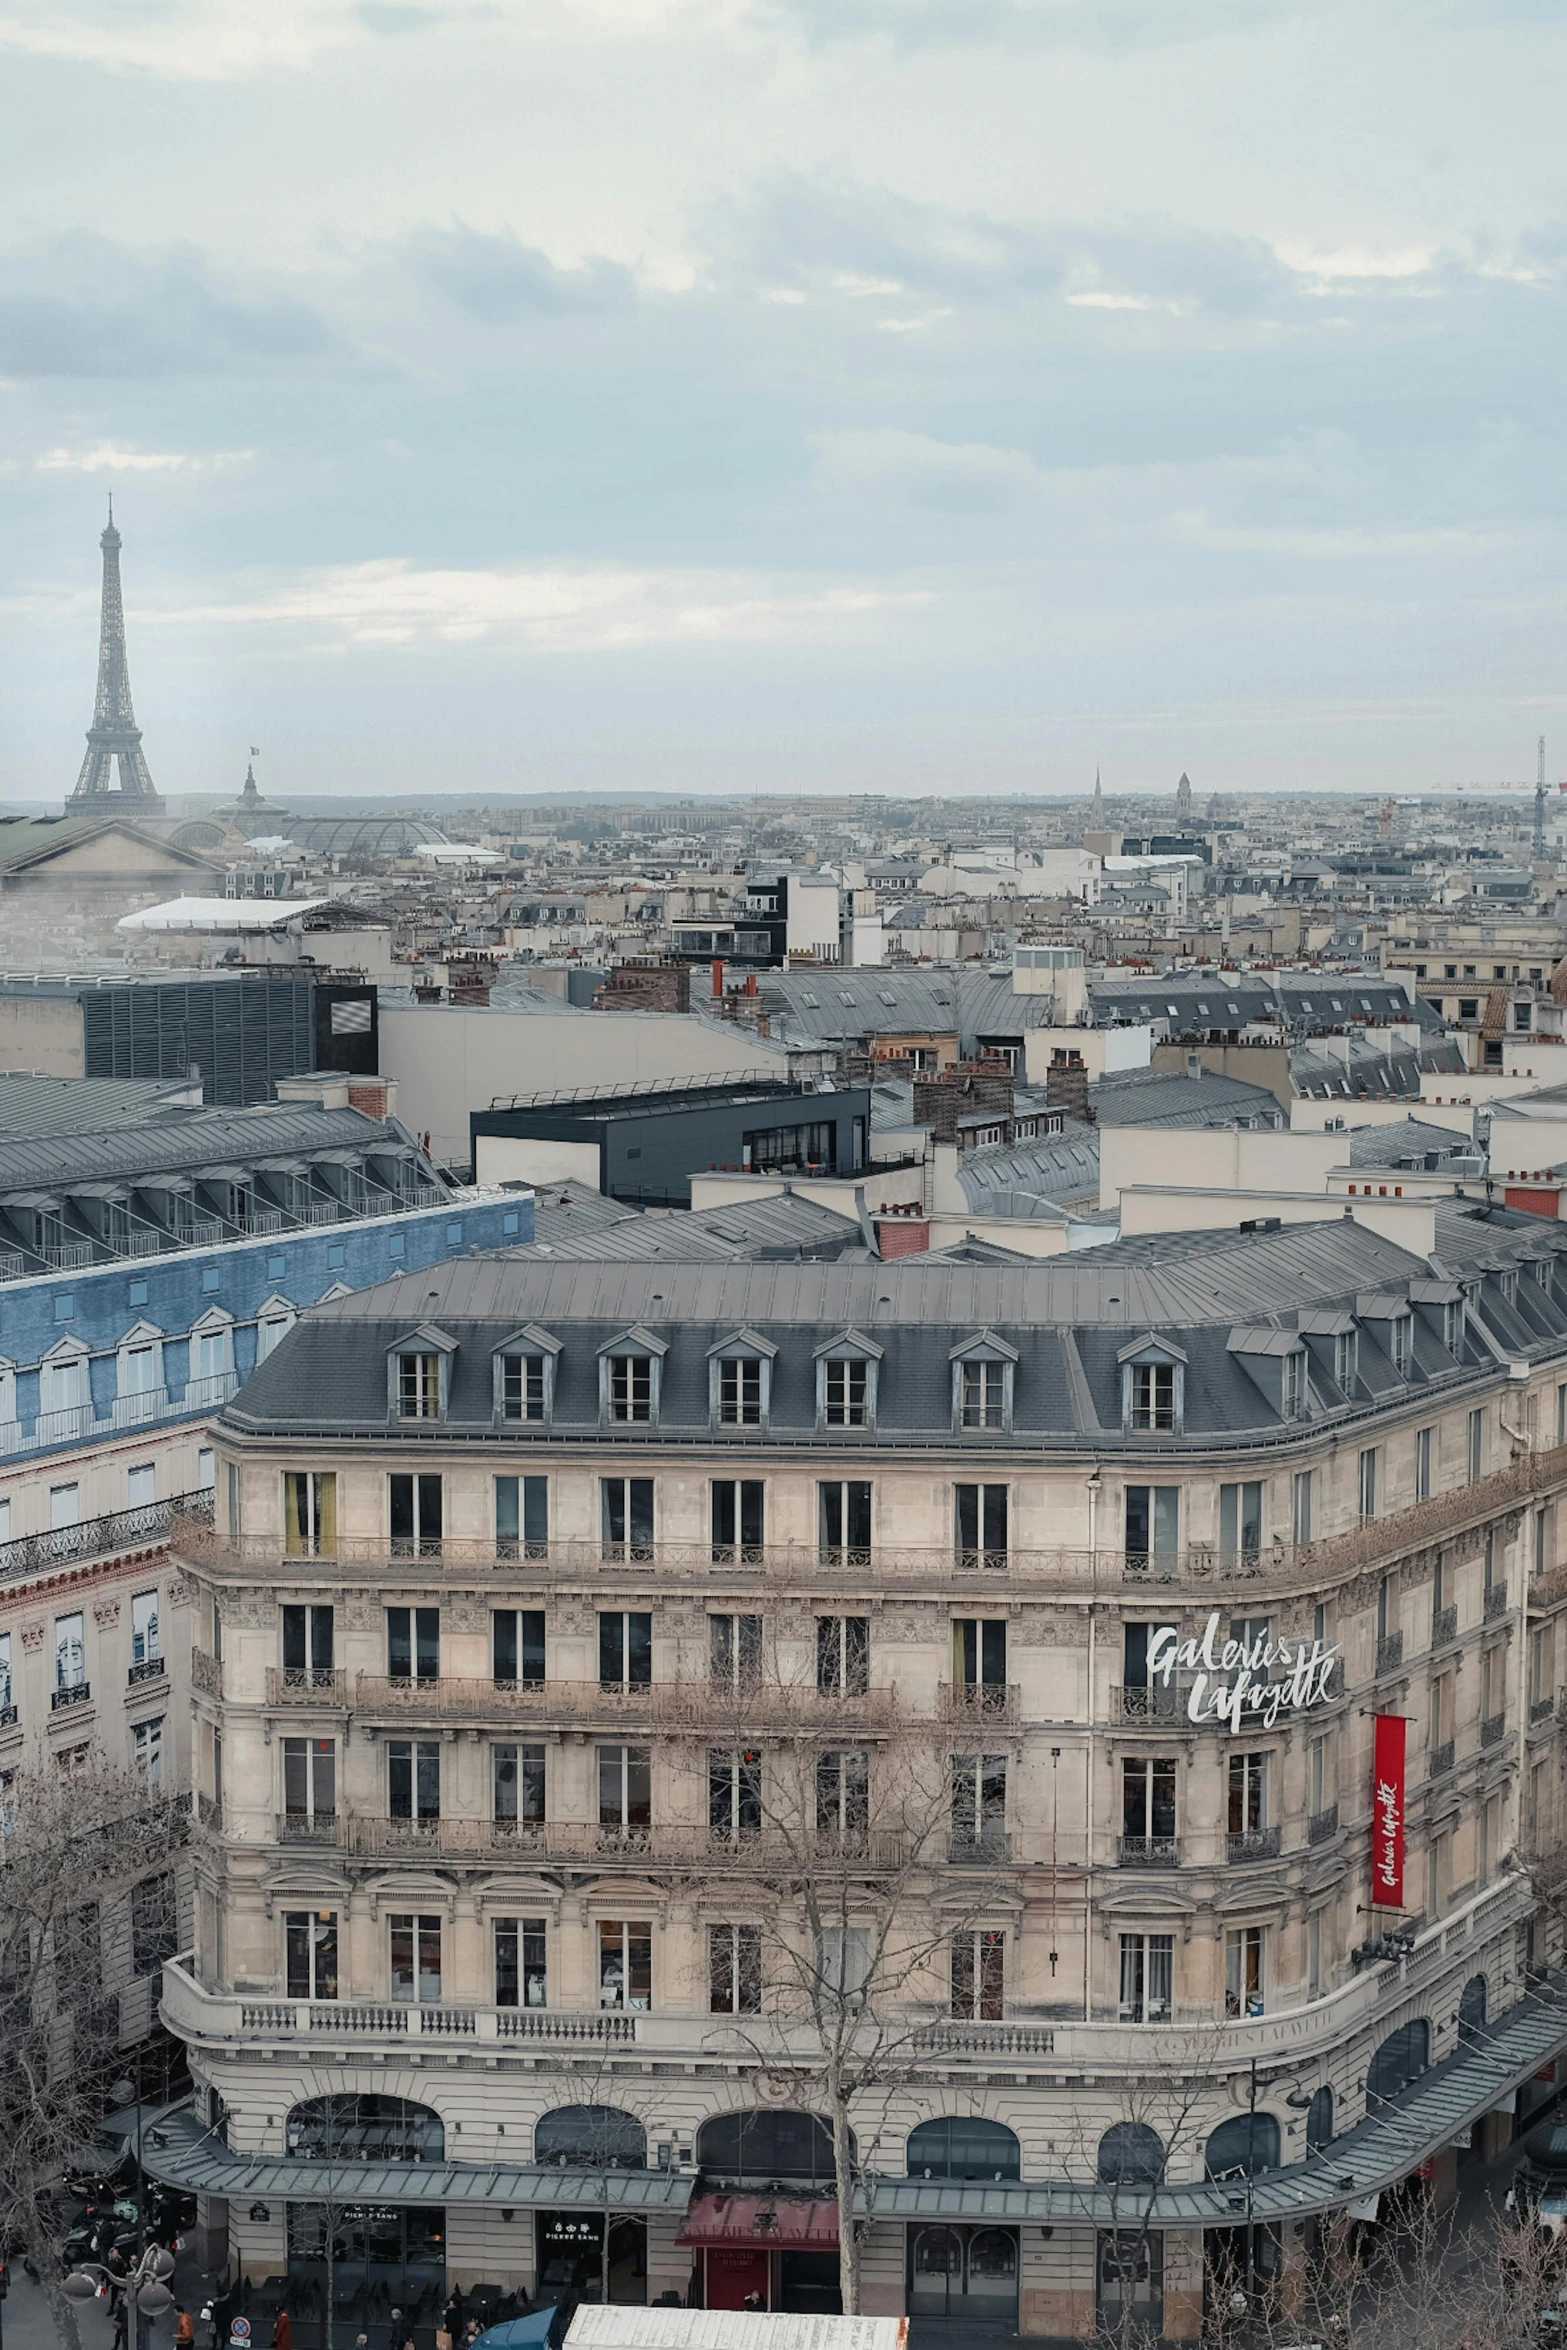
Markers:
<point>750,398</point>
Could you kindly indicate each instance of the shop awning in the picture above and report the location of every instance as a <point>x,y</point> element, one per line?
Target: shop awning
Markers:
<point>762,2222</point>
<point>182,2153</point>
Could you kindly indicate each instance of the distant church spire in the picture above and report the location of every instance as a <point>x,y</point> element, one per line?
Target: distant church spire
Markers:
<point>1183,796</point>
<point>1099,803</point>
<point>113,739</point>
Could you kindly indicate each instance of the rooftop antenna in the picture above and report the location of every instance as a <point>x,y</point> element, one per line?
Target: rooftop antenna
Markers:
<point>1539,804</point>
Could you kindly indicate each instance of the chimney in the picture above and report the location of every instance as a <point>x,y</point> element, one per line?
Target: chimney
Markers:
<point>718,979</point>
<point>1066,1083</point>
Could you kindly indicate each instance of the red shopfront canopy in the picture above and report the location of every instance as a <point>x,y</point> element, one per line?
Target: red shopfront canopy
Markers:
<point>792,2223</point>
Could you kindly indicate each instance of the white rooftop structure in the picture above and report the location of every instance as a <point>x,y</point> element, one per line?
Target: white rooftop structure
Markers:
<point>221,914</point>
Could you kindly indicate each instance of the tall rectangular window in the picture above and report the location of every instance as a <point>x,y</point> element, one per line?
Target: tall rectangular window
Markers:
<point>1147,1973</point>
<point>844,1523</point>
<point>1153,1525</point>
<point>7,1698</point>
<point>522,1962</point>
<point>1367,1482</point>
<point>70,1651</point>
<point>979,1654</point>
<point>416,1958</point>
<point>147,1750</point>
<point>1243,1970</point>
<point>145,1649</point>
<point>625,1781</point>
<point>1300,1507</point>
<point>523,1387</point>
<point>522,1517</point>
<point>413,1643</point>
<point>740,1393</point>
<point>1148,1802</point>
<point>734,1792</point>
<point>739,1523</point>
<point>517,1646</point>
<point>416,1515</point>
<point>310,1778</point>
<point>627,1509</point>
<point>625,1648</point>
<point>310,1953</point>
<point>1422,1464</point>
<point>982,1395</point>
<point>307,1642</point>
<point>517,1784</point>
<point>978,1975</point>
<point>980,1525</point>
<point>625,1962</point>
<point>413,1778</point>
<point>734,1970</point>
<point>734,1651</point>
<point>154,1923</point>
<point>1240,1523</point>
<point>310,1513</point>
<point>843,1794</point>
<point>1476,1445</point>
<point>979,1801</point>
<point>843,1655</point>
<point>419,1387</point>
<point>845,1393</point>
<point>1248,1793</point>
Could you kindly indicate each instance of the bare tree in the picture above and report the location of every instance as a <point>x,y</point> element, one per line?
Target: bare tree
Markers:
<point>69,1843</point>
<point>1157,2135</point>
<point>865,1847</point>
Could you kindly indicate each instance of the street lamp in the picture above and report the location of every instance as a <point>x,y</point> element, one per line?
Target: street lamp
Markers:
<point>143,2287</point>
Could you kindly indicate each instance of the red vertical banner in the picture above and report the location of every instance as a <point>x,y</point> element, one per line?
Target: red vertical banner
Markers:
<point>1387,1812</point>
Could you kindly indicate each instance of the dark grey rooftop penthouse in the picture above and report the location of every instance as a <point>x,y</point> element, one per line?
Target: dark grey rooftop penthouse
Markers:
<point>1192,1342</point>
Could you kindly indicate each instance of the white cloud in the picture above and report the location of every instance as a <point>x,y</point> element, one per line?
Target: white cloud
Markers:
<point>581,610</point>
<point>107,457</point>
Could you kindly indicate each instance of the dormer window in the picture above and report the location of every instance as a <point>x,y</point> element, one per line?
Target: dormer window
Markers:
<point>1293,1392</point>
<point>630,1378</point>
<point>740,1380</point>
<point>1153,1386</point>
<point>740,1394</point>
<point>1453,1326</point>
<point>522,1387</point>
<point>524,1369</point>
<point>1401,1343</point>
<point>1153,1395</point>
<point>1507,1283</point>
<point>983,1373</point>
<point>631,1387</point>
<point>418,1374</point>
<point>1346,1360</point>
<point>846,1369</point>
<point>982,1393</point>
<point>418,1386</point>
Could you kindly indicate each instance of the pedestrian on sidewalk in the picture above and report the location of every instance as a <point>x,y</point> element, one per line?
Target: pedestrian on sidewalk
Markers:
<point>282,2331</point>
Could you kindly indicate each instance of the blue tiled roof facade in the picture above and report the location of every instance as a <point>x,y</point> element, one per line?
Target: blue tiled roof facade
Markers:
<point>168,1294</point>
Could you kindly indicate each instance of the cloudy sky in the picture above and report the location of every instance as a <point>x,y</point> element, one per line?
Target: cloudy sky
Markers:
<point>935,395</point>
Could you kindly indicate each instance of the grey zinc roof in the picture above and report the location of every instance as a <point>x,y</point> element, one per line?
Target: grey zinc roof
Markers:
<point>1068,1318</point>
<point>188,1141</point>
<point>1178,1097</point>
<point>780,1223</point>
<point>1385,1146</point>
<point>1052,1168</point>
<point>832,1005</point>
<point>31,1106</point>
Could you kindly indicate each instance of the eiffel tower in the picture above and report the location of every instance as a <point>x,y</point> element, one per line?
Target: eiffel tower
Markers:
<point>114,736</point>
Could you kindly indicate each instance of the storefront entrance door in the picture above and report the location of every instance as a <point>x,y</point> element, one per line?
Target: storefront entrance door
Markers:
<point>969,2274</point>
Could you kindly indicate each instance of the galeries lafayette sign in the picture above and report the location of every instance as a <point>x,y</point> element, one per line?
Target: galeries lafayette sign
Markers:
<point>1243,1682</point>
